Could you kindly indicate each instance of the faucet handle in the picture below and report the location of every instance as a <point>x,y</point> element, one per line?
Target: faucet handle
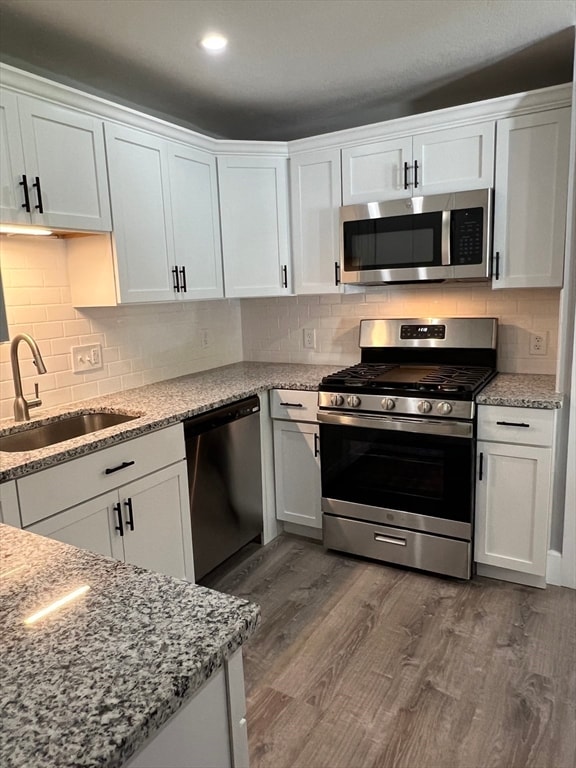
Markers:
<point>36,402</point>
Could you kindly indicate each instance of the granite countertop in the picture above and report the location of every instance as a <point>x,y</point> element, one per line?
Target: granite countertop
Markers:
<point>158,405</point>
<point>88,684</point>
<point>521,390</point>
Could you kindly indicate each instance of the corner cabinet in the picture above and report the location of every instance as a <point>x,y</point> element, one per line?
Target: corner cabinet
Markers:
<point>53,166</point>
<point>121,502</point>
<point>296,457</point>
<point>513,492</point>
<point>254,224</point>
<point>315,196</point>
<point>531,187</point>
<point>442,161</point>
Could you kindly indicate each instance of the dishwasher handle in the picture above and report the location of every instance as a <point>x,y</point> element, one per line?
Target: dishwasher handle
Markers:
<point>219,417</point>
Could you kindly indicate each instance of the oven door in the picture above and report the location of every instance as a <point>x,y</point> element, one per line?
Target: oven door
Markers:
<point>399,471</point>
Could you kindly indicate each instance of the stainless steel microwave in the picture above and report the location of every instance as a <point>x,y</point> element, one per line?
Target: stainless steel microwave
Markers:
<point>436,237</point>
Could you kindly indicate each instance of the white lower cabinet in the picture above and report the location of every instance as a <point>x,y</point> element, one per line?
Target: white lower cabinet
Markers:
<point>209,731</point>
<point>514,492</point>
<point>128,501</point>
<point>296,457</point>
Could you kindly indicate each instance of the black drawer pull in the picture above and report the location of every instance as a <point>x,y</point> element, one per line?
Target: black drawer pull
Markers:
<point>130,521</point>
<point>292,405</point>
<point>176,282</point>
<point>284,276</point>
<point>481,467</point>
<point>512,424</point>
<point>415,174</point>
<point>405,175</point>
<point>124,464</point>
<point>183,276</point>
<point>118,509</point>
<point>24,184</point>
<point>316,445</point>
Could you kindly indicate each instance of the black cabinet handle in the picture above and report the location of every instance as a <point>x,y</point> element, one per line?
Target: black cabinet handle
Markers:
<point>512,424</point>
<point>124,464</point>
<point>26,203</point>
<point>415,174</point>
<point>36,185</point>
<point>497,274</point>
<point>316,445</point>
<point>481,466</point>
<point>176,282</point>
<point>183,276</point>
<point>118,509</point>
<point>130,521</point>
<point>292,405</point>
<point>284,276</point>
<point>336,273</point>
<point>405,175</point>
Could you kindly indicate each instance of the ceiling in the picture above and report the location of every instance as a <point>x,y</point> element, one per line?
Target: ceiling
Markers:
<point>293,68</point>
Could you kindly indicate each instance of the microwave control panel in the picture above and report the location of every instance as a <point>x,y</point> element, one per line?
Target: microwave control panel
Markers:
<point>466,236</point>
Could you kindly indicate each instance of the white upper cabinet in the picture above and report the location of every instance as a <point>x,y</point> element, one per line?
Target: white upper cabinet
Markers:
<point>254,222</point>
<point>195,224</point>
<point>140,196</point>
<point>315,196</point>
<point>530,199</point>
<point>443,161</point>
<point>54,166</point>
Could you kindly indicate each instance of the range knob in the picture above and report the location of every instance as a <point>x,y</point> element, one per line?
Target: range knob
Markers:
<point>388,404</point>
<point>336,400</point>
<point>424,406</point>
<point>353,401</point>
<point>444,408</point>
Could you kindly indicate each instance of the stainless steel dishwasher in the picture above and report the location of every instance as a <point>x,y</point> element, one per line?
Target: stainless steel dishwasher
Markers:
<point>224,480</point>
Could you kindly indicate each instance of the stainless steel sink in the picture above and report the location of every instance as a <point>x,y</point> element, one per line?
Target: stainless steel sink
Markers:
<point>62,428</point>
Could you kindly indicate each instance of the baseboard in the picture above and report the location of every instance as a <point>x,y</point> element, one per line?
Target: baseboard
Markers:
<point>554,568</point>
<point>506,574</point>
<point>303,530</point>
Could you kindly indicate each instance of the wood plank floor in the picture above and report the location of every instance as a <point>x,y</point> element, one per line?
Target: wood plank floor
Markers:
<point>359,665</point>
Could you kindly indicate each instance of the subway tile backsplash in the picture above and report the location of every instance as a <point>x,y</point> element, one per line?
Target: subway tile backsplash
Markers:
<point>273,328</point>
<point>140,343</point>
<point>151,342</point>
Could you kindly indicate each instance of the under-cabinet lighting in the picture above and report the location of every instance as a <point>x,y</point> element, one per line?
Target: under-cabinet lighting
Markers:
<point>57,604</point>
<point>214,42</point>
<point>15,229</point>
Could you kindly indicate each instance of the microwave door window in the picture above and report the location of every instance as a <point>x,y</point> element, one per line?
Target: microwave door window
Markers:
<point>396,242</point>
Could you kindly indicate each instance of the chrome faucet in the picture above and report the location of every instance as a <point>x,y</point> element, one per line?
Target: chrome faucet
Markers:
<point>21,405</point>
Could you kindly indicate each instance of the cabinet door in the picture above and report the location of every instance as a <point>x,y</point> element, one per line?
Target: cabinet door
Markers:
<point>315,190</point>
<point>65,150</point>
<point>12,193</point>
<point>375,172</point>
<point>140,197</point>
<point>297,473</point>
<point>195,222</point>
<point>157,533</point>
<point>530,199</point>
<point>454,159</point>
<point>91,526</point>
<point>512,507</point>
<point>254,219</point>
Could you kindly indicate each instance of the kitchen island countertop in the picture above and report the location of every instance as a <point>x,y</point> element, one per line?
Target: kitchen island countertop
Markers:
<point>88,684</point>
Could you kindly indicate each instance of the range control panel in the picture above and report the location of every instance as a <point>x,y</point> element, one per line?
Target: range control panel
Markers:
<point>422,331</point>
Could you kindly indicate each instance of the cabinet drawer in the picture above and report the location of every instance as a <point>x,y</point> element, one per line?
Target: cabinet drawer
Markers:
<point>65,485</point>
<point>526,426</point>
<point>294,404</point>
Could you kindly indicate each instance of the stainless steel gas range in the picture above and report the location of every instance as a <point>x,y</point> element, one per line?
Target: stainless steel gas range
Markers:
<point>397,440</point>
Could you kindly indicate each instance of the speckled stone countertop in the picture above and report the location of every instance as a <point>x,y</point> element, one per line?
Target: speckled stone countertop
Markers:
<point>158,405</point>
<point>88,684</point>
<point>521,390</point>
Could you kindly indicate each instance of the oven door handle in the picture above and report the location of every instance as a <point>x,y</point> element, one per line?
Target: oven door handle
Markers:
<point>446,428</point>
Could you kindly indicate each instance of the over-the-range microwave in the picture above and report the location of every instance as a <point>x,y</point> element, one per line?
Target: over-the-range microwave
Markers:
<point>435,237</point>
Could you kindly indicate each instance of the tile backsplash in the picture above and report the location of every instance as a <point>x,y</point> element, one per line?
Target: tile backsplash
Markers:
<point>140,344</point>
<point>151,342</point>
<point>273,328</point>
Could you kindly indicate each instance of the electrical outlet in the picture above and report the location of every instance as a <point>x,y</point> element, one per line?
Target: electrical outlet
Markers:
<point>309,338</point>
<point>87,358</point>
<point>538,343</point>
<point>204,338</point>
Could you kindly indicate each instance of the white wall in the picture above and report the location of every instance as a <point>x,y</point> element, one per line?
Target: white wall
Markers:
<point>272,329</point>
<point>141,344</point>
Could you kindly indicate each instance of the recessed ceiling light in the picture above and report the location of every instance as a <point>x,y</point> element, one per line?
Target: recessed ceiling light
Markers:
<point>214,42</point>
